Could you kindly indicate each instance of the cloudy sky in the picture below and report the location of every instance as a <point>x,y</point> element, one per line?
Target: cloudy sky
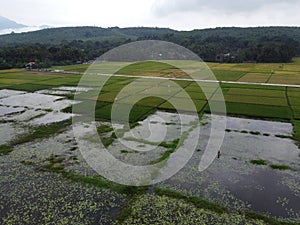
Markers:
<point>176,14</point>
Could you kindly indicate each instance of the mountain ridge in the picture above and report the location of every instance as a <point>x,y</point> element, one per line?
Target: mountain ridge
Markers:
<point>6,23</point>
<point>85,33</point>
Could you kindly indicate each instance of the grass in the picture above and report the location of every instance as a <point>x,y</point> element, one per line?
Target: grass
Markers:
<point>31,87</point>
<point>151,68</point>
<point>254,132</point>
<point>107,141</point>
<point>171,149</point>
<point>146,107</point>
<point>137,112</point>
<point>256,111</point>
<point>258,162</point>
<point>255,77</point>
<point>282,136</point>
<point>228,75</point>
<point>181,104</point>
<point>76,68</point>
<point>104,129</point>
<point>151,101</point>
<point>198,202</point>
<point>280,167</point>
<point>273,166</point>
<point>127,151</point>
<point>36,133</point>
<point>296,130</point>
<point>252,99</point>
<point>258,92</point>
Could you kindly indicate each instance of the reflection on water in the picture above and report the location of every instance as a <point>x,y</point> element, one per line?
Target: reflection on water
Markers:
<point>231,180</point>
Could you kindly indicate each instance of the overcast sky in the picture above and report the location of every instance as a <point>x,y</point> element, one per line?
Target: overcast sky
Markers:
<point>176,14</point>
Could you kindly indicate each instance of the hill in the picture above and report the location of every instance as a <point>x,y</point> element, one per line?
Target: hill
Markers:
<point>9,24</point>
<point>66,34</point>
<point>69,45</point>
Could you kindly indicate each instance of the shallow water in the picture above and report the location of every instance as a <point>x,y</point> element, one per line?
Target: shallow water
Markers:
<point>77,89</point>
<point>264,127</point>
<point>38,107</point>
<point>52,117</point>
<point>6,93</point>
<point>31,100</point>
<point>9,131</point>
<point>231,180</point>
<point>54,92</point>
<point>7,110</point>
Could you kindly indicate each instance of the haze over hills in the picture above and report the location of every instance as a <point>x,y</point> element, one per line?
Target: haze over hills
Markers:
<point>8,26</point>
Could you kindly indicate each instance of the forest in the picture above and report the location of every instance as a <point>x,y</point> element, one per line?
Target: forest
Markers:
<point>74,45</point>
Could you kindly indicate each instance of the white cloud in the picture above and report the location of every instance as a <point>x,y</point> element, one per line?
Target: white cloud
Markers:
<point>165,7</point>
<point>18,30</point>
<point>176,14</point>
<point>190,14</point>
<point>68,12</point>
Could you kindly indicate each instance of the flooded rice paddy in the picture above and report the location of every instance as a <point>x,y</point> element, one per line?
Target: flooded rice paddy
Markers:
<point>235,179</point>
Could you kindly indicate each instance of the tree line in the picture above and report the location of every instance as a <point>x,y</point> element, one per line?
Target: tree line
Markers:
<point>230,45</point>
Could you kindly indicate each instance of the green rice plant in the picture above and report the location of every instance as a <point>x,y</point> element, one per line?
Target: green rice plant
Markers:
<point>282,136</point>
<point>183,105</point>
<point>254,132</point>
<point>151,101</point>
<point>256,111</point>
<point>36,133</point>
<point>137,113</point>
<point>257,92</point>
<point>258,162</point>
<point>104,129</point>
<point>280,167</point>
<point>228,75</point>
<point>29,87</point>
<point>127,151</point>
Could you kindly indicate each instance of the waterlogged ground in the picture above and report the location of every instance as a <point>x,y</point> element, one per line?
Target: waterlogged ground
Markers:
<point>30,195</point>
<point>33,191</point>
<point>237,183</point>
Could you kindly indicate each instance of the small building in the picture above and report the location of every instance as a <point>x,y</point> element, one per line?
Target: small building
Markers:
<point>31,65</point>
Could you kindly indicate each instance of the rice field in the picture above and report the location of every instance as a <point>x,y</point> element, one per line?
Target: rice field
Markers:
<point>36,108</point>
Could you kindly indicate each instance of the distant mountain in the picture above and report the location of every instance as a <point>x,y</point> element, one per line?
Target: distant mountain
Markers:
<point>88,33</point>
<point>68,45</point>
<point>9,24</point>
<point>67,34</point>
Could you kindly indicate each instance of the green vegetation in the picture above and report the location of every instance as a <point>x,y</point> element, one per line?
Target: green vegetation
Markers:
<point>280,167</point>
<point>273,166</point>
<point>127,151</point>
<point>228,75</point>
<point>296,127</point>
<point>58,46</point>
<point>104,129</point>
<point>171,149</point>
<point>150,68</point>
<point>273,103</point>
<point>107,141</point>
<point>192,199</point>
<point>35,133</point>
<point>259,162</point>
<point>282,136</point>
<point>255,132</point>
